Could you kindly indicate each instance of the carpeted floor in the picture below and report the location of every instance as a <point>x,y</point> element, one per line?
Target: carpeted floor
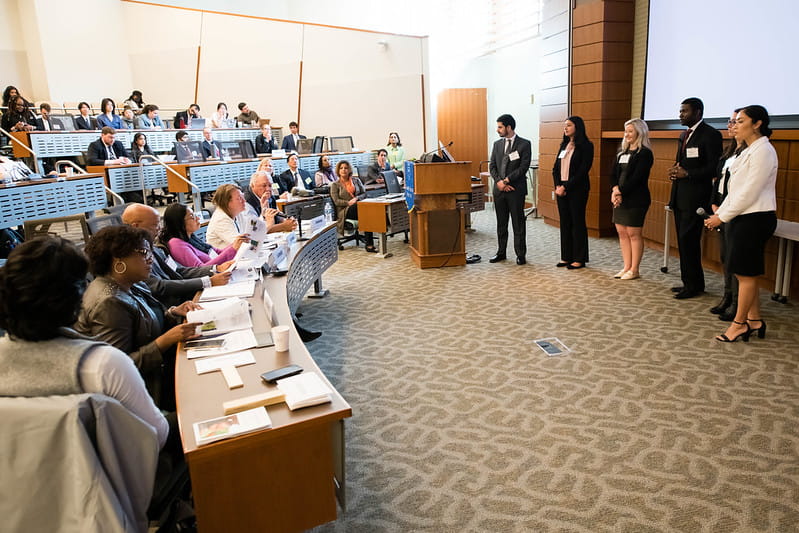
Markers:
<point>460,423</point>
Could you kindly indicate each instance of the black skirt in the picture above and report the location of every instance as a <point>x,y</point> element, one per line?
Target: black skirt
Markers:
<point>629,216</point>
<point>748,235</point>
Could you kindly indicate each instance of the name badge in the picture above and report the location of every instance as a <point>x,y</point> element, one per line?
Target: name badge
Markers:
<point>692,153</point>
<point>624,159</point>
<point>513,156</point>
<point>171,263</point>
<point>562,154</point>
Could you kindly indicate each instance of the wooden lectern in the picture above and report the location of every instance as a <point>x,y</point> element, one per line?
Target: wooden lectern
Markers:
<point>437,224</point>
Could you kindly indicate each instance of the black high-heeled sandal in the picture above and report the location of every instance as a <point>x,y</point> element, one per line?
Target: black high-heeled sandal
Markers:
<point>761,331</point>
<point>743,336</point>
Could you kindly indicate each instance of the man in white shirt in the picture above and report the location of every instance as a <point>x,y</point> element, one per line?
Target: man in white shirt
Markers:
<point>294,177</point>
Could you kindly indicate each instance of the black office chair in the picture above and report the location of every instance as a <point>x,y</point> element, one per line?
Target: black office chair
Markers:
<point>99,222</point>
<point>318,144</point>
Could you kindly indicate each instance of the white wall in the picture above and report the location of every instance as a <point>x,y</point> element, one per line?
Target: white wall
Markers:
<point>13,52</point>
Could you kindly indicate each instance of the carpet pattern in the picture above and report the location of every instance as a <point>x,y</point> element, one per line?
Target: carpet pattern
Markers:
<point>461,423</point>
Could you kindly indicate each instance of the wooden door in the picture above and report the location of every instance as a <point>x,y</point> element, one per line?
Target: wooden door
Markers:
<point>462,118</point>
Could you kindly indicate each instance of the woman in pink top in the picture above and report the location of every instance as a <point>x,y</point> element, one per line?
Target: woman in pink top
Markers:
<point>180,223</point>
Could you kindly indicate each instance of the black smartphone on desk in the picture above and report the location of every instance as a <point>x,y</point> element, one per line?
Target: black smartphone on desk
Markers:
<point>271,377</point>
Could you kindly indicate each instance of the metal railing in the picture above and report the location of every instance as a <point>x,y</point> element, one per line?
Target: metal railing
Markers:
<point>197,194</point>
<point>25,146</point>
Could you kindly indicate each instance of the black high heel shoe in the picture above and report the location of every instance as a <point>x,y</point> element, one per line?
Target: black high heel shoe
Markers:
<point>761,331</point>
<point>743,336</point>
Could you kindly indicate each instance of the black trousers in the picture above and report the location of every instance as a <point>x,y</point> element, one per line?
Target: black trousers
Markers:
<point>510,206</point>
<point>689,241</point>
<point>730,281</point>
<point>352,214</point>
<point>573,232</point>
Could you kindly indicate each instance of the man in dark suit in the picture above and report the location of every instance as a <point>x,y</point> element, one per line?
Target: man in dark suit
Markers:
<point>295,177</point>
<point>84,121</point>
<point>264,143</point>
<point>692,177</point>
<point>183,118</point>
<point>510,159</point>
<point>43,123</point>
<point>211,148</point>
<point>373,171</point>
<point>107,150</point>
<point>169,282</point>
<point>290,141</point>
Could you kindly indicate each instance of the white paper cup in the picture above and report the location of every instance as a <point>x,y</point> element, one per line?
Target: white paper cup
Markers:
<point>280,334</point>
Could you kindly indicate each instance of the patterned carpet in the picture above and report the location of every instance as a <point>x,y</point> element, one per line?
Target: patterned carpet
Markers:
<point>460,423</point>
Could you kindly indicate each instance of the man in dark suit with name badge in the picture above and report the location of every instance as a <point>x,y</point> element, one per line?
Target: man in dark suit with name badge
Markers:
<point>510,159</point>
<point>692,182</point>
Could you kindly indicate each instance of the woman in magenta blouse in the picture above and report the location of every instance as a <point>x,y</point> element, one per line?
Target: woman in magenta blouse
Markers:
<point>177,235</point>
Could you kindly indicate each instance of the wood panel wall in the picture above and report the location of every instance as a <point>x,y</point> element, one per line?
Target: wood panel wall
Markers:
<point>462,118</point>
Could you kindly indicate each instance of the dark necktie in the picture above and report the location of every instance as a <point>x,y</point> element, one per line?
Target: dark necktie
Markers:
<point>685,139</point>
<point>507,146</point>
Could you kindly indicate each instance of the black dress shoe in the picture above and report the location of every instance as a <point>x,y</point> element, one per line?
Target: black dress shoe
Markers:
<point>521,261</point>
<point>306,335</point>
<point>562,264</point>
<point>729,314</point>
<point>678,288</point>
<point>725,302</point>
<point>687,293</point>
<point>497,258</point>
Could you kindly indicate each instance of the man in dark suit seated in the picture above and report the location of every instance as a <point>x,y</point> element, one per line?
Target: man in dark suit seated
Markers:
<point>84,121</point>
<point>294,177</point>
<point>107,150</point>
<point>373,171</point>
<point>290,141</point>
<point>43,123</point>
<point>183,118</point>
<point>264,143</point>
<point>169,282</point>
<point>211,148</point>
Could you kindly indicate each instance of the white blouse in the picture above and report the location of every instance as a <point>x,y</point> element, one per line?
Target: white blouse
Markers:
<point>753,178</point>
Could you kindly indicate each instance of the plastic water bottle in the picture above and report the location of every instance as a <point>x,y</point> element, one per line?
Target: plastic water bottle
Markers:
<point>328,213</point>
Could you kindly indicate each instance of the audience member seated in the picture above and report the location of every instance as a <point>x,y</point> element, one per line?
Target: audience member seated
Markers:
<point>396,153</point>
<point>128,118</point>
<point>261,202</point>
<point>346,193</point>
<point>325,175</point>
<point>107,150</point>
<point>223,229</point>
<point>183,118</point>
<point>264,143</point>
<point>247,115</point>
<point>168,281</point>
<point>373,171</point>
<point>139,147</point>
<point>109,117</point>
<point>180,223</point>
<point>84,121</point>
<point>290,141</point>
<point>220,117</point>
<point>181,150</point>
<point>211,148</point>
<point>18,117</point>
<point>10,94</point>
<point>43,123</point>
<point>149,119</point>
<point>119,309</point>
<point>135,101</point>
<point>294,177</point>
<point>41,287</point>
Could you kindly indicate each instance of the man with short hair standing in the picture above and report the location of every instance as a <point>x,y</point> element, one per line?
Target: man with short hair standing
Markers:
<point>692,182</point>
<point>510,159</point>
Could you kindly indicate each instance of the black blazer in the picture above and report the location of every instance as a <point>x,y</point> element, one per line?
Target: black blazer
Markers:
<point>173,287</point>
<point>695,190</point>
<point>208,151</point>
<point>500,165</point>
<point>582,159</point>
<point>288,142</point>
<point>85,124</point>
<point>286,180</point>
<point>97,154</point>
<point>264,147</point>
<point>635,189</point>
<point>40,125</point>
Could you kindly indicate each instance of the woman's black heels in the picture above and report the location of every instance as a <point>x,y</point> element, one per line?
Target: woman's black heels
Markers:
<point>761,331</point>
<point>743,336</point>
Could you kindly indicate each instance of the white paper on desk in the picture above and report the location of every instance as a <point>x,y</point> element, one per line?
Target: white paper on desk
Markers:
<point>221,316</point>
<point>304,390</point>
<point>228,426</point>
<point>235,341</point>
<point>256,228</point>
<point>212,364</point>
<point>231,290</point>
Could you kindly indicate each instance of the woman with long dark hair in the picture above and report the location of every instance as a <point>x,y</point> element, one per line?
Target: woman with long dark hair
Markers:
<point>139,147</point>
<point>108,117</point>
<point>750,210</point>
<point>325,175</point>
<point>180,224</point>
<point>570,174</point>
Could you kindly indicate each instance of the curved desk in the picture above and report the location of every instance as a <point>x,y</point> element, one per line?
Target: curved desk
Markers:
<point>281,479</point>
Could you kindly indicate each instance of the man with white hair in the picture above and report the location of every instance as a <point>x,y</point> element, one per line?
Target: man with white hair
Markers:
<point>261,203</point>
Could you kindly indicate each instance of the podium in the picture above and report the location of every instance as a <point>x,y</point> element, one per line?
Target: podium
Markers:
<point>437,221</point>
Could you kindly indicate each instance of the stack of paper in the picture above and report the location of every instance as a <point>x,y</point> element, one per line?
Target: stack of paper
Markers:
<point>304,390</point>
<point>235,341</point>
<point>232,290</point>
<point>231,425</point>
<point>221,316</point>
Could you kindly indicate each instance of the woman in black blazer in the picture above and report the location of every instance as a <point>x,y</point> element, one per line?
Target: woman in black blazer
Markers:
<point>570,174</point>
<point>630,194</point>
